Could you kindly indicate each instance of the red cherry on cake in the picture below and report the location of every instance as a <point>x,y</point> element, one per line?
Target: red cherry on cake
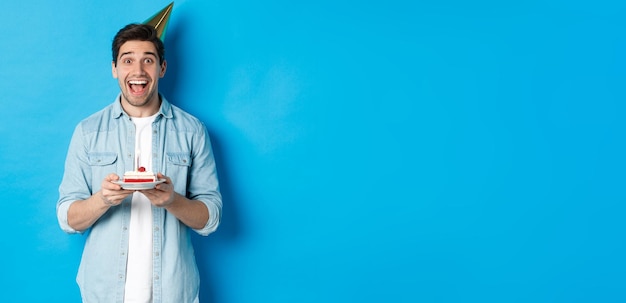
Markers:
<point>141,169</point>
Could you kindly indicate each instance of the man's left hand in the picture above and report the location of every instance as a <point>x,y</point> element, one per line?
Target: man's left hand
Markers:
<point>163,194</point>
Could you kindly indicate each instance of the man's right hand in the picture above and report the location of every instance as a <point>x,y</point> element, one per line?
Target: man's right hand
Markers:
<point>112,194</point>
<point>82,214</point>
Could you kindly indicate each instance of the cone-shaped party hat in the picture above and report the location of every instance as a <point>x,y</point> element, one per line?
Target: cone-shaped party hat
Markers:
<point>160,20</point>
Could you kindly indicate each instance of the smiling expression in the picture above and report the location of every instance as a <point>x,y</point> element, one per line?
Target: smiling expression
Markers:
<point>137,73</point>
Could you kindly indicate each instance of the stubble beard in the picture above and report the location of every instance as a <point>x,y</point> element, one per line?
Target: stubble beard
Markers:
<point>138,101</point>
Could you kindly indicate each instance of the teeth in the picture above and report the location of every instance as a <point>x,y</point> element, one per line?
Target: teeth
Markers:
<point>138,82</point>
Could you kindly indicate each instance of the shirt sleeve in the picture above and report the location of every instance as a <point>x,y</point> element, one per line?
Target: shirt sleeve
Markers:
<point>75,184</point>
<point>203,183</point>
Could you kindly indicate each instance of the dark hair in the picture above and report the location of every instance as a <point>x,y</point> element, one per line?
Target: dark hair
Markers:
<point>137,32</point>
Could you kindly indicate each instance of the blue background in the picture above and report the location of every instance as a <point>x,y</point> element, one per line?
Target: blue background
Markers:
<point>377,151</point>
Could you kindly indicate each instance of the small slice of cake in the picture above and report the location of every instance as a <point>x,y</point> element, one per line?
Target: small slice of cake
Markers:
<point>139,176</point>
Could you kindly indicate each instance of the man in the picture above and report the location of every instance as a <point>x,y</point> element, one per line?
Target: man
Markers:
<point>138,246</point>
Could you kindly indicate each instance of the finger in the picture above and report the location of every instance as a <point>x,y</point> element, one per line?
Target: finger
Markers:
<point>147,192</point>
<point>112,177</point>
<point>165,187</point>
<point>108,184</point>
<point>119,196</point>
<point>162,176</point>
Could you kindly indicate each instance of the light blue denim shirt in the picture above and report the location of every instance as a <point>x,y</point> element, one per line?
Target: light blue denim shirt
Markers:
<point>104,143</point>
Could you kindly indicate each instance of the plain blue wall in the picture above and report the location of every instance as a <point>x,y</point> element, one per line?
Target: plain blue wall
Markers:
<point>378,151</point>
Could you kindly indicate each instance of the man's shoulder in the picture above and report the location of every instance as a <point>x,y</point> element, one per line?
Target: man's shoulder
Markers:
<point>98,120</point>
<point>181,118</point>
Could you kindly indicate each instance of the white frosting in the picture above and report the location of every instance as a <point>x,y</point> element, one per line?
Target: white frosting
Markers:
<point>139,175</point>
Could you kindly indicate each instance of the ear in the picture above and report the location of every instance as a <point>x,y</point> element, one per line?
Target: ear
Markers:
<point>113,69</point>
<point>163,69</point>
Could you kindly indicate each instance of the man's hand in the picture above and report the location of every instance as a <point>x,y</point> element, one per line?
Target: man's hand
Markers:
<point>163,194</point>
<point>112,194</point>
<point>84,213</point>
<point>192,213</point>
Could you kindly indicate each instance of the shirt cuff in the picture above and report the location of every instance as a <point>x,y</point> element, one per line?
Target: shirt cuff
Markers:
<point>62,210</point>
<point>214,219</point>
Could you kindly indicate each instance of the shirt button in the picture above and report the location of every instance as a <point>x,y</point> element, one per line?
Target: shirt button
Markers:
<point>156,228</point>
<point>156,253</point>
<point>156,277</point>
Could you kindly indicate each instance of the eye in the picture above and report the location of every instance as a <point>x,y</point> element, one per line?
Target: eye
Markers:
<point>127,61</point>
<point>148,60</point>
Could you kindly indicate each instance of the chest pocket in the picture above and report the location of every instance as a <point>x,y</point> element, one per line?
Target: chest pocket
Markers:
<point>177,168</point>
<point>102,164</point>
<point>101,158</point>
<point>180,159</point>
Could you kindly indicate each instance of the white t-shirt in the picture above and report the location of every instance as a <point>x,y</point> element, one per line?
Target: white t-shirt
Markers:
<point>138,287</point>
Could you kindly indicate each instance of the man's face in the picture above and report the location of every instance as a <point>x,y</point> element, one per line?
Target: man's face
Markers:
<point>138,72</point>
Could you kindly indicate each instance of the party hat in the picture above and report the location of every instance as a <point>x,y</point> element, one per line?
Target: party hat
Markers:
<point>160,20</point>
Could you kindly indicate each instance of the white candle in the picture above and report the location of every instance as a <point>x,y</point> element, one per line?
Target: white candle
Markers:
<point>137,157</point>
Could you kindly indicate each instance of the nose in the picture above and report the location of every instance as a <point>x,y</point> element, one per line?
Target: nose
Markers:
<point>138,69</point>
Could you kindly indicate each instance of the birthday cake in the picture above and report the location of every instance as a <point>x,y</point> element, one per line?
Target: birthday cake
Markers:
<point>139,176</point>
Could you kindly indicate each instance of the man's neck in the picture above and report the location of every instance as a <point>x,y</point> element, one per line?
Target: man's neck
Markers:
<point>147,110</point>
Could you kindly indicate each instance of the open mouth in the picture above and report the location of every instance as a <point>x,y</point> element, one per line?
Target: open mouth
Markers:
<point>137,87</point>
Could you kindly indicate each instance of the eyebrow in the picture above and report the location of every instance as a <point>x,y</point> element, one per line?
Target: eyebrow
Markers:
<point>131,53</point>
